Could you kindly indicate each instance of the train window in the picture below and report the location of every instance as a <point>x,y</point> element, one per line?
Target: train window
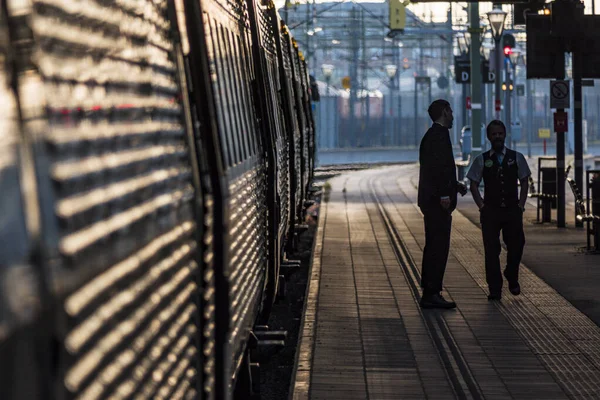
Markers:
<point>227,105</point>
<point>215,60</point>
<point>226,78</point>
<point>244,105</point>
<point>240,90</point>
<point>249,74</point>
<point>235,87</point>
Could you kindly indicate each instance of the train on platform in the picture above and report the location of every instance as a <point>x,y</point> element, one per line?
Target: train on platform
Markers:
<point>156,160</point>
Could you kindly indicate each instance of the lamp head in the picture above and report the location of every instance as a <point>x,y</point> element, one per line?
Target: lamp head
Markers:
<point>497,17</point>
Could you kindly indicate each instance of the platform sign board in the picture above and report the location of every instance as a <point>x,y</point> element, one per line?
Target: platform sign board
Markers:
<point>545,59</point>
<point>487,76</point>
<point>559,94</point>
<point>544,133</point>
<point>346,82</point>
<point>397,15</point>
<point>561,124</point>
<point>589,47</point>
<point>462,70</point>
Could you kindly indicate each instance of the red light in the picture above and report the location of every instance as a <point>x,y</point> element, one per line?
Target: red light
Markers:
<point>507,51</point>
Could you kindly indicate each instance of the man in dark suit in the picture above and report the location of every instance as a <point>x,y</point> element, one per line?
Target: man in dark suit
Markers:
<point>437,199</point>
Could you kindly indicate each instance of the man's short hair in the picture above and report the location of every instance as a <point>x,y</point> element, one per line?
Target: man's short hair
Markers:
<point>495,122</point>
<point>436,109</point>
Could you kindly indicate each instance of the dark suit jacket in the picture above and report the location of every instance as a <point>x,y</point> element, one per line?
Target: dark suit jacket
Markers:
<point>437,175</point>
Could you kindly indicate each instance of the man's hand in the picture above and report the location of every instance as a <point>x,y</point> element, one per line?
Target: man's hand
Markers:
<point>462,188</point>
<point>445,202</point>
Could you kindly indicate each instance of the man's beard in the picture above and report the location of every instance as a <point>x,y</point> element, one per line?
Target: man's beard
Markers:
<point>498,144</point>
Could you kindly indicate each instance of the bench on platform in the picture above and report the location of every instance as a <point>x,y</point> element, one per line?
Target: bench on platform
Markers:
<point>583,214</point>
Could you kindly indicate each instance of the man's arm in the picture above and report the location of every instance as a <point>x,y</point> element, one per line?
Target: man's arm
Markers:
<point>474,175</point>
<point>524,192</point>
<point>476,195</point>
<point>523,174</point>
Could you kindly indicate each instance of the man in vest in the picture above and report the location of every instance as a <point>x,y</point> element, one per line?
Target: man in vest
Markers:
<point>501,208</point>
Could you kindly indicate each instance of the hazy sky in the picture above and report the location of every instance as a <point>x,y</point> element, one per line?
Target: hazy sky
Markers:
<point>438,10</point>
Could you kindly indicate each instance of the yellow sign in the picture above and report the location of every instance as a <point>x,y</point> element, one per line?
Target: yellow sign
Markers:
<point>544,133</point>
<point>397,15</point>
<point>346,82</point>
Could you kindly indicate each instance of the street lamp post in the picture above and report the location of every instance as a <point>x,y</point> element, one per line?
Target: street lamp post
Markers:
<point>497,17</point>
<point>529,109</point>
<point>391,70</point>
<point>514,59</point>
<point>327,70</point>
<point>463,47</point>
<point>485,53</point>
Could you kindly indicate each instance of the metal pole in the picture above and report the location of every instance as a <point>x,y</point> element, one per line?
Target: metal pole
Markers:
<point>416,137</point>
<point>560,174</point>
<point>392,118</point>
<point>529,117</point>
<point>517,111</point>
<point>483,112</point>
<point>507,105</point>
<point>578,125</point>
<point>464,104</point>
<point>353,79</point>
<point>396,85</point>
<point>383,122</point>
<point>476,93</point>
<point>498,76</point>
<point>399,99</point>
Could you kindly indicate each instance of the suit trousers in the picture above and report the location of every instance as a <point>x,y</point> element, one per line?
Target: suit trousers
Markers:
<point>438,226</point>
<point>510,222</point>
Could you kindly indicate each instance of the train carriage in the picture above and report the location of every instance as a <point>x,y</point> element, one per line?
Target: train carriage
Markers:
<point>142,239</point>
<point>302,147</point>
<point>222,73</point>
<point>309,136</point>
<point>23,302</point>
<point>271,114</point>
<point>283,45</point>
<point>114,198</point>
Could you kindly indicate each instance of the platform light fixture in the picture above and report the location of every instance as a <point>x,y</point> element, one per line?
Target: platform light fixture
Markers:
<point>514,55</point>
<point>462,44</point>
<point>391,70</point>
<point>497,17</point>
<point>486,50</point>
<point>327,70</point>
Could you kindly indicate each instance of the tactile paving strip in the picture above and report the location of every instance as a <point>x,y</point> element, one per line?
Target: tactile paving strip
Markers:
<point>565,340</point>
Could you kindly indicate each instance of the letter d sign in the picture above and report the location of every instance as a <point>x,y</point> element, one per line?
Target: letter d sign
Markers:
<point>464,75</point>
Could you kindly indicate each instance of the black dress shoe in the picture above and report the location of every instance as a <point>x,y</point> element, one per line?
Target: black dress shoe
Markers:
<point>436,301</point>
<point>495,296</point>
<point>514,288</point>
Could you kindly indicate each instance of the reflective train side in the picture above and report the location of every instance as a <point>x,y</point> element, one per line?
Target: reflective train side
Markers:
<point>157,159</point>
